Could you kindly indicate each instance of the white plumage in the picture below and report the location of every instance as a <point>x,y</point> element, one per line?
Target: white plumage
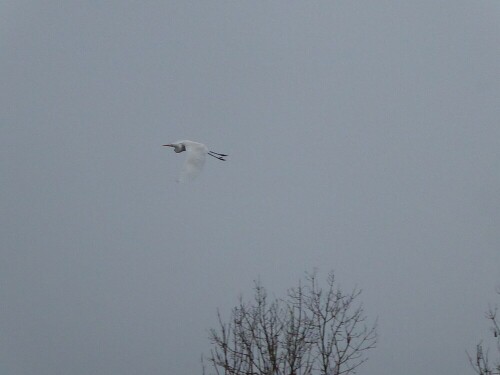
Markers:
<point>196,155</point>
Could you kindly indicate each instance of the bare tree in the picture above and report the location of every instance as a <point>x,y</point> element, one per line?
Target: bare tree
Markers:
<point>480,361</point>
<point>313,330</point>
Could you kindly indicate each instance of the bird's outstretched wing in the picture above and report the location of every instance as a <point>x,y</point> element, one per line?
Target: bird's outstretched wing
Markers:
<point>196,155</point>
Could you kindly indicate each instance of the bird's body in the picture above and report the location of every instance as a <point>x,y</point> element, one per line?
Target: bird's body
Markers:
<point>196,155</point>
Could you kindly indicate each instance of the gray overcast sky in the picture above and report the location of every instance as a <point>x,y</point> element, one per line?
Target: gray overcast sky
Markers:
<point>363,136</point>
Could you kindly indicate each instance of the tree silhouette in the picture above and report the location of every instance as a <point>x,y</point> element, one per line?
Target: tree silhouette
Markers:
<point>480,361</point>
<point>313,330</point>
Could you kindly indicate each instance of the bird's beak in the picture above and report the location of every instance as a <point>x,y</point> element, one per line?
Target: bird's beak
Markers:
<point>169,145</point>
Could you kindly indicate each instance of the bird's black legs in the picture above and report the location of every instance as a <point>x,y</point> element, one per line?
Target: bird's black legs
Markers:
<point>217,155</point>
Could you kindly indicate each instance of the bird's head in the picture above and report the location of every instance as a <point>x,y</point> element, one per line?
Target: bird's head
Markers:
<point>178,147</point>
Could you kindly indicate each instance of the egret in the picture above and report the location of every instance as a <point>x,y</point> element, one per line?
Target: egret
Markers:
<point>196,154</point>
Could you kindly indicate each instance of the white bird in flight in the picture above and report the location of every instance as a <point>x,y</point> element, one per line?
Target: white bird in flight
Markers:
<point>196,154</point>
